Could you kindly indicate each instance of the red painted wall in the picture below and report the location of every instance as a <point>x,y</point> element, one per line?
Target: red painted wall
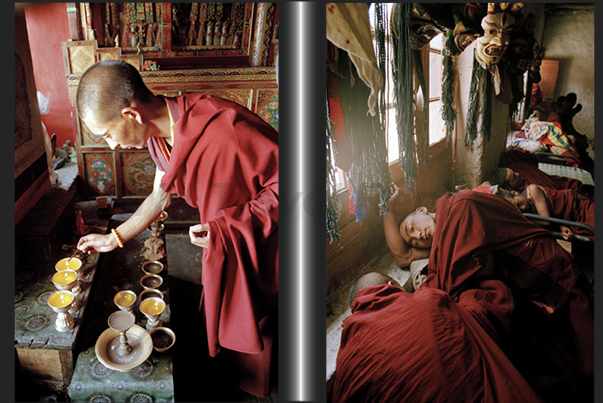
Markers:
<point>47,28</point>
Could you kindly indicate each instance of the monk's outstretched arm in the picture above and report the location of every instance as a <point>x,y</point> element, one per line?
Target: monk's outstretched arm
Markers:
<point>146,213</point>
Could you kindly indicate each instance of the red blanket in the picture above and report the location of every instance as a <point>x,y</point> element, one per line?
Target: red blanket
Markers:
<point>225,162</point>
<point>425,347</point>
<point>479,235</point>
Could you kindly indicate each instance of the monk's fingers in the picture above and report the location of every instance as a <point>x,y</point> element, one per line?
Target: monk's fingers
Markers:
<point>198,228</point>
<point>200,241</point>
<point>199,235</point>
<point>84,245</point>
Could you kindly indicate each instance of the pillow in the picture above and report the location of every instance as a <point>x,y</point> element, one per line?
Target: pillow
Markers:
<point>418,274</point>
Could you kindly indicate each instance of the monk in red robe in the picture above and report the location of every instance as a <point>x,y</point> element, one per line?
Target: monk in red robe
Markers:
<point>426,346</point>
<point>478,235</point>
<point>474,237</point>
<point>562,204</point>
<point>223,159</point>
<point>518,175</point>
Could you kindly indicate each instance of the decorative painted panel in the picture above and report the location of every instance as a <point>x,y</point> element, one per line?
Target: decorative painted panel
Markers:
<point>212,77</point>
<point>108,53</point>
<point>100,173</point>
<point>264,26</point>
<point>90,139</point>
<point>267,106</point>
<point>78,56</point>
<point>231,32</point>
<point>138,173</point>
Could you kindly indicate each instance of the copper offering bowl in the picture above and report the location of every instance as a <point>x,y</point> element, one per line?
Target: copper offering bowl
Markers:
<point>163,338</point>
<point>151,281</point>
<point>150,293</point>
<point>152,267</point>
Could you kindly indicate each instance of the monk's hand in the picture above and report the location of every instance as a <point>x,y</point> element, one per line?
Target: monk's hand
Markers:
<point>567,233</point>
<point>93,243</point>
<point>394,194</point>
<point>199,235</point>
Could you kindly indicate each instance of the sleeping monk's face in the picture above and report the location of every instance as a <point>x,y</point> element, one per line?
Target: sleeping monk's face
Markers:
<point>418,228</point>
<point>515,180</point>
<point>521,202</point>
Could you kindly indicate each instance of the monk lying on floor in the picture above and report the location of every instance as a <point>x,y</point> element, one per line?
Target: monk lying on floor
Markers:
<point>425,346</point>
<point>479,243</point>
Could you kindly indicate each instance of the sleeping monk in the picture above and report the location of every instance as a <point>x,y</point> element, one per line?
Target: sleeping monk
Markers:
<point>551,338</point>
<point>518,175</point>
<point>562,204</point>
<point>403,251</point>
<point>425,346</point>
<point>222,159</point>
<point>476,237</point>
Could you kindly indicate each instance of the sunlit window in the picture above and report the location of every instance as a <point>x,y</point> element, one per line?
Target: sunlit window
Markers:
<point>437,128</point>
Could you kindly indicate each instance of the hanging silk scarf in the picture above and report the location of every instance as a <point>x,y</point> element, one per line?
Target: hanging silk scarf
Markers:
<point>369,169</point>
<point>448,111</point>
<point>486,104</point>
<point>480,105</point>
<point>472,112</point>
<point>381,37</point>
<point>403,92</point>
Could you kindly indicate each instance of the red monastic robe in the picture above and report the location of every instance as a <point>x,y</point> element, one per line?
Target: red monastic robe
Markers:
<point>224,161</point>
<point>427,347</point>
<point>568,205</point>
<point>479,235</point>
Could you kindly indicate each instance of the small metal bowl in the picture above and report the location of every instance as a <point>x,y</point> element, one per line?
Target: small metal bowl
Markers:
<point>150,293</point>
<point>151,281</point>
<point>121,299</point>
<point>163,338</point>
<point>152,267</point>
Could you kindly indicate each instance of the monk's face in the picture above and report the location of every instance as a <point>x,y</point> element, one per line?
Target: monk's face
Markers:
<point>515,180</point>
<point>418,228</point>
<point>521,202</point>
<point>126,131</point>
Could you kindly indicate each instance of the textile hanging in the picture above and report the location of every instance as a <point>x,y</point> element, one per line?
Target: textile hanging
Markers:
<point>472,113</point>
<point>383,60</point>
<point>333,203</point>
<point>369,169</point>
<point>403,93</point>
<point>448,111</point>
<point>360,78</point>
<point>348,28</point>
<point>480,105</point>
<point>486,104</point>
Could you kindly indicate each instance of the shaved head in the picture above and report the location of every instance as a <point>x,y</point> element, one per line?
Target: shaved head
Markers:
<point>368,280</point>
<point>106,87</point>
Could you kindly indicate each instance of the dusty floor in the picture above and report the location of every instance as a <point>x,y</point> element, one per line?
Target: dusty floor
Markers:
<point>337,302</point>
